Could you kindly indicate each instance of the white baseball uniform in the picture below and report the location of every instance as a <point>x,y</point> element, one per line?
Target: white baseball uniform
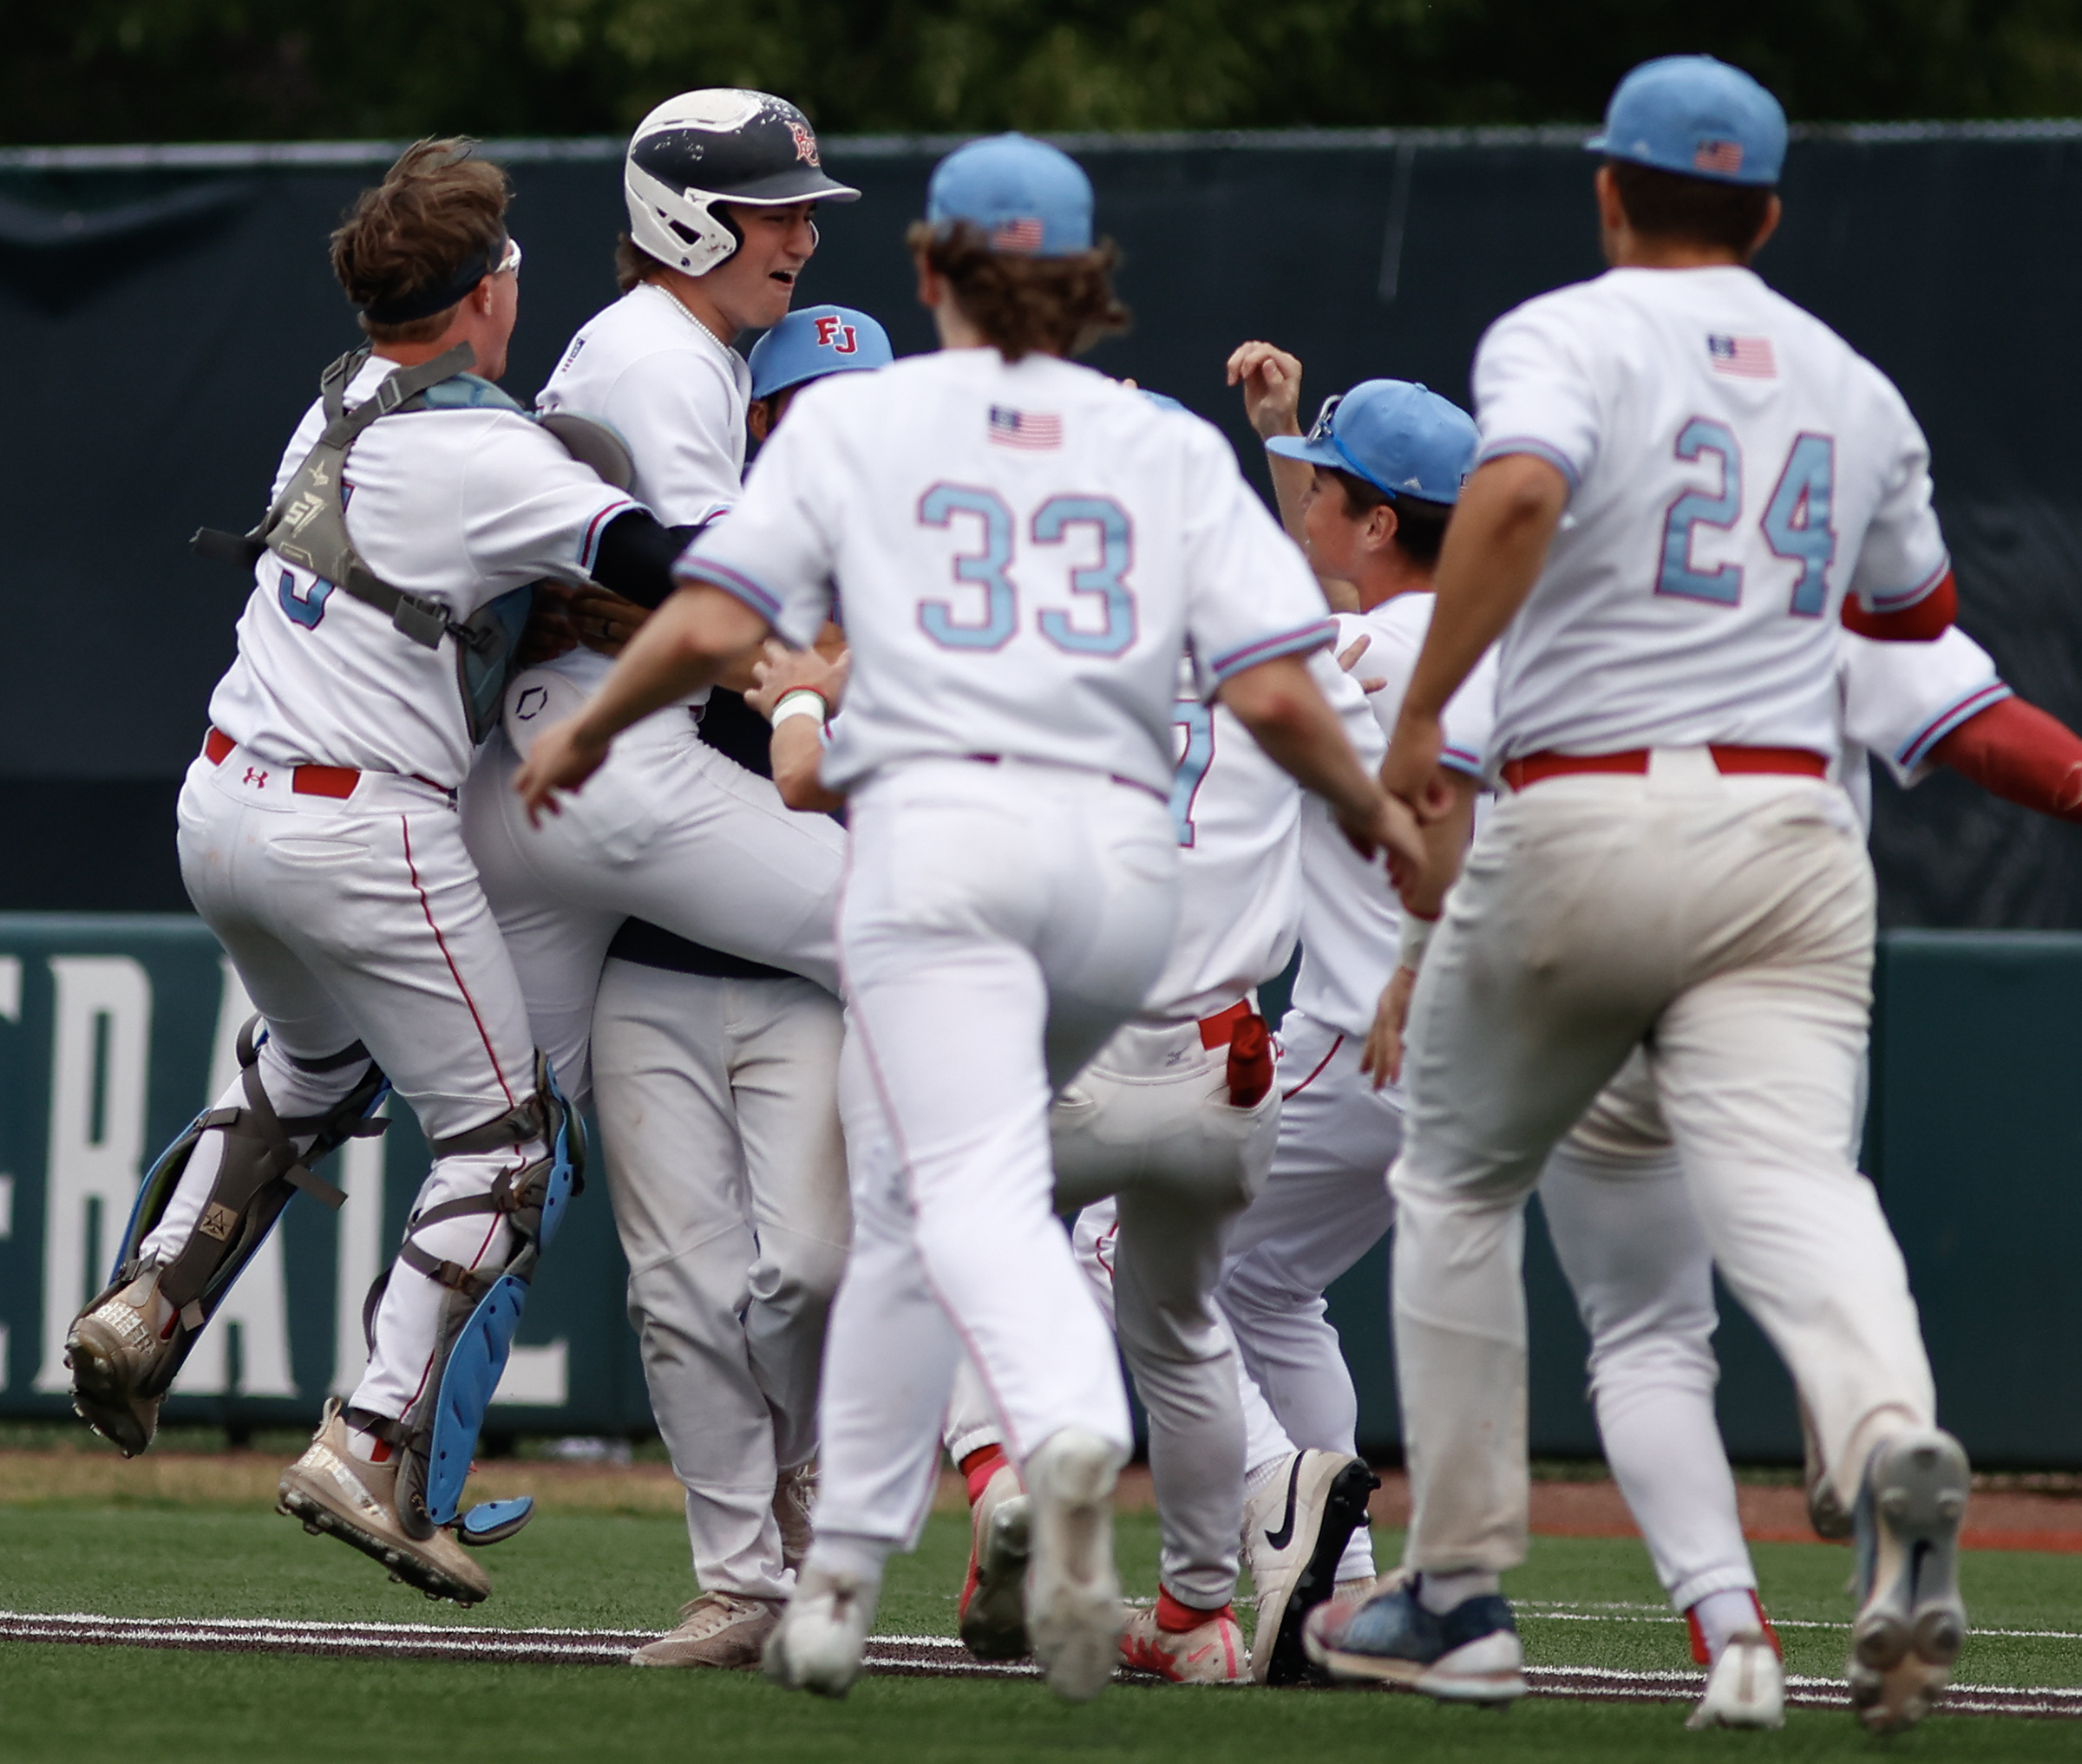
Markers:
<point>1024,552</point>
<point>1326,1203</point>
<point>1148,1143</point>
<point>347,901</point>
<point>1734,470</point>
<point>717,1084</point>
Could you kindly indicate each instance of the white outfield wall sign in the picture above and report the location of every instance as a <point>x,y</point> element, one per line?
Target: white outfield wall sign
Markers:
<point>114,1033</point>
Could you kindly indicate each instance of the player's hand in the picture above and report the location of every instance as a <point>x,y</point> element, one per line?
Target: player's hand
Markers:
<point>561,759</point>
<point>1410,773</point>
<point>1271,380</point>
<point>1383,1058</point>
<point>549,632</point>
<point>1349,659</point>
<point>603,620</point>
<point>782,670</point>
<point>1388,827</point>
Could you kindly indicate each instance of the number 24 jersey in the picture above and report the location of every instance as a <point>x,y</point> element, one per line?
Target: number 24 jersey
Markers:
<point>1735,468</point>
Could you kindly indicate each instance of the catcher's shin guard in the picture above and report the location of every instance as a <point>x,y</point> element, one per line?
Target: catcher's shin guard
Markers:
<point>121,1366</point>
<point>436,1438</point>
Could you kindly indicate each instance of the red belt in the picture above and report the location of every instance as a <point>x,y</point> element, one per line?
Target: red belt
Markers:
<point>306,780</point>
<point>1517,774</point>
<point>1219,1030</point>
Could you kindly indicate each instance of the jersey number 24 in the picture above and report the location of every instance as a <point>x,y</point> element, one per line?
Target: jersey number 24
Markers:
<point>1796,519</point>
<point>990,570</point>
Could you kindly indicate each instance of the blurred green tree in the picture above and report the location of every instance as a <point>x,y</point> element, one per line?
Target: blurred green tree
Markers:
<point>101,70</point>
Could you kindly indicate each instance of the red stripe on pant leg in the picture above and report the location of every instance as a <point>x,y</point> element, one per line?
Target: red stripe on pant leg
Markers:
<point>426,906</point>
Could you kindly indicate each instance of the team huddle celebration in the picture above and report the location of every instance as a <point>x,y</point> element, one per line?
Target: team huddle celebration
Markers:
<point>873,791</point>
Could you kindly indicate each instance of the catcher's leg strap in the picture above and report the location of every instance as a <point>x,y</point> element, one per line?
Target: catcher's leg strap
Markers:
<point>480,1310</point>
<point>261,1169</point>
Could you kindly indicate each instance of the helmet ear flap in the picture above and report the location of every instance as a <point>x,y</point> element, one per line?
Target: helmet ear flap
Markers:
<point>680,228</point>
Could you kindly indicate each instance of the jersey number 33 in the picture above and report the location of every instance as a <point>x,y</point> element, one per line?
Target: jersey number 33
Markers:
<point>1108,629</point>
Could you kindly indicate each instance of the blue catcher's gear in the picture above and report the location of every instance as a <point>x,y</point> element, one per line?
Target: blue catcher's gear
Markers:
<point>437,1437</point>
<point>122,1355</point>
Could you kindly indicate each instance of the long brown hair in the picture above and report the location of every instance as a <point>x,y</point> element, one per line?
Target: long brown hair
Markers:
<point>1022,304</point>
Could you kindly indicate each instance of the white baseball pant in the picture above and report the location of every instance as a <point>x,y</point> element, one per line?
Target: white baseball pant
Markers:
<point>718,1109</point>
<point>668,830</point>
<point>1724,925</point>
<point>362,920</point>
<point>999,921</point>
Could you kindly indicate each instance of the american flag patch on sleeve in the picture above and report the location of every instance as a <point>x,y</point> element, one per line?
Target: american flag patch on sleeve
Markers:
<point>1037,433</point>
<point>1746,357</point>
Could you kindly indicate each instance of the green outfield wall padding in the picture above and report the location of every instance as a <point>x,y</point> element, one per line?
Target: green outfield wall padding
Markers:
<point>111,1029</point>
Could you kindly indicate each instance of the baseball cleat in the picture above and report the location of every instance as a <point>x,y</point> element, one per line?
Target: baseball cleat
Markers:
<point>1746,1688</point>
<point>330,1490</point>
<point>795,1499</point>
<point>1911,1623</point>
<point>1469,1654</point>
<point>1295,1534</point>
<point>116,1351</point>
<point>1073,1593</point>
<point>994,1598</point>
<point>1212,1652</point>
<point>723,1629</point>
<point>817,1644</point>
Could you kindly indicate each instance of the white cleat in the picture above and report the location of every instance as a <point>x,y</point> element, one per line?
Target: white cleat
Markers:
<point>822,1633</point>
<point>1746,1688</point>
<point>1073,1593</point>
<point>725,1631</point>
<point>1911,1621</point>
<point>1295,1529</point>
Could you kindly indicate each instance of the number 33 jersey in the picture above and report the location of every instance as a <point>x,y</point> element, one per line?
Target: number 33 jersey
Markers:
<point>1019,555</point>
<point>1734,470</point>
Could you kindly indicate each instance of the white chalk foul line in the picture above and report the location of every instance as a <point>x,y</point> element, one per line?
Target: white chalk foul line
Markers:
<point>933,1656</point>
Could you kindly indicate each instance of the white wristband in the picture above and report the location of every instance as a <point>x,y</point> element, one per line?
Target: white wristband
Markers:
<point>802,702</point>
<point>1417,938</point>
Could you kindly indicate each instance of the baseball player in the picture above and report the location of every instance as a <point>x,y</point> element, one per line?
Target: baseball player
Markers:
<point>1672,870</point>
<point>1381,473</point>
<point>1024,549</point>
<point>319,840</point>
<point>715,1009</point>
<point>1624,1227</point>
<point>1161,1139</point>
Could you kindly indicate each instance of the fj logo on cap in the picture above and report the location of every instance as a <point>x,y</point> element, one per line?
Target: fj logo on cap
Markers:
<point>835,335</point>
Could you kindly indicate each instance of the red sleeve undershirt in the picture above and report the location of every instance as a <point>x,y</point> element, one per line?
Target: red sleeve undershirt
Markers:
<point>1921,624</point>
<point>2017,751</point>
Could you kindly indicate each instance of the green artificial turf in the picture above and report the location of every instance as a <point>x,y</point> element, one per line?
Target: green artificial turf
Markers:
<point>79,1703</point>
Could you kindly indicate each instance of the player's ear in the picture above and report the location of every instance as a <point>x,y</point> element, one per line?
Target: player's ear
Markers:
<point>758,419</point>
<point>1774,211</point>
<point>1383,523</point>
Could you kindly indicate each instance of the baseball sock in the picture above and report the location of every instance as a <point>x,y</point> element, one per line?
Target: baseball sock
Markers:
<point>1720,1616</point>
<point>850,1553</point>
<point>1440,1593</point>
<point>1175,1617</point>
<point>979,1466</point>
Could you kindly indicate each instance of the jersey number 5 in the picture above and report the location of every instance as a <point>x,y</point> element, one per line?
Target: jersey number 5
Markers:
<point>990,569</point>
<point>1796,519</point>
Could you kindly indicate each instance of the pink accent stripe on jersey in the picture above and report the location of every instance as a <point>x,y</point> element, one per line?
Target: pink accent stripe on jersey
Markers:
<point>1539,449</point>
<point>1939,727</point>
<point>1902,597</point>
<point>1306,640</point>
<point>1461,761</point>
<point>734,583</point>
<point>589,547</point>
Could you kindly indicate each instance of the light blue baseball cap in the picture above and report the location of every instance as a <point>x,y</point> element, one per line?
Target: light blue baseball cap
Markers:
<point>1024,195</point>
<point>1402,438</point>
<point>1696,116</point>
<point>817,341</point>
